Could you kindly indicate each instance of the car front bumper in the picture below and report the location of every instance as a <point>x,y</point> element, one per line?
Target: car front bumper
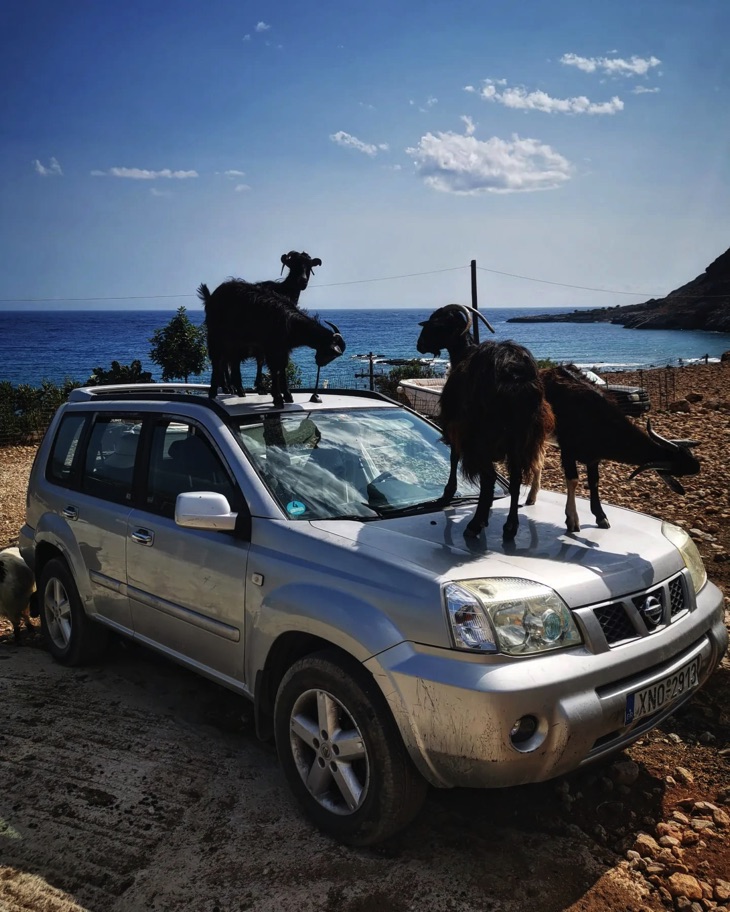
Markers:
<point>455,710</point>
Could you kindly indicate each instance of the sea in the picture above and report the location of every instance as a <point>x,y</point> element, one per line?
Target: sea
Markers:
<point>57,345</point>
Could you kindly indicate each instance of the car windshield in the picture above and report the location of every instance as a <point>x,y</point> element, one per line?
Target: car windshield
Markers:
<point>359,464</point>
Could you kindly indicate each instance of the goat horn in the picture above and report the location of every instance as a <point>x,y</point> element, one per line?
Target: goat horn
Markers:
<point>333,327</point>
<point>657,438</point>
<point>481,317</point>
<point>686,443</point>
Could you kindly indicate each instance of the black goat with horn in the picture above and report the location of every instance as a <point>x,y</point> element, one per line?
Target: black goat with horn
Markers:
<point>493,409</point>
<point>301,268</point>
<point>243,317</point>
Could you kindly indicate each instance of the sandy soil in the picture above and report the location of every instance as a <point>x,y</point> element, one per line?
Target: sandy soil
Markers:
<point>138,786</point>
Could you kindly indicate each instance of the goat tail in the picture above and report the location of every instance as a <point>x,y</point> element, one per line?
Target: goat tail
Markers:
<point>529,456</point>
<point>204,294</point>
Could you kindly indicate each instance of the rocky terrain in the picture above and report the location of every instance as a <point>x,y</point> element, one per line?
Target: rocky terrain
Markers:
<point>136,785</point>
<point>703,303</point>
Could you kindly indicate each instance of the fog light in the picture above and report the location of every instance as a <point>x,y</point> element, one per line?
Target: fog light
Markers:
<point>523,729</point>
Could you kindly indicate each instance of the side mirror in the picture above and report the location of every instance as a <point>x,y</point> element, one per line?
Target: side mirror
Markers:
<point>204,510</point>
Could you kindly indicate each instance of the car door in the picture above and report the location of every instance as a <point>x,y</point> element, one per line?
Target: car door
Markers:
<point>186,586</point>
<point>98,506</point>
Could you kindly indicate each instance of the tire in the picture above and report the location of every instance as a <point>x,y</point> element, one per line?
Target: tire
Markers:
<point>71,637</point>
<point>328,704</point>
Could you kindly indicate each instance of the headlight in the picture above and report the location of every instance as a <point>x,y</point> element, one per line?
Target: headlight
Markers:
<point>512,616</point>
<point>690,555</point>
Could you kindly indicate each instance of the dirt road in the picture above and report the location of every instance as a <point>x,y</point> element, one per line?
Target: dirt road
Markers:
<point>138,786</point>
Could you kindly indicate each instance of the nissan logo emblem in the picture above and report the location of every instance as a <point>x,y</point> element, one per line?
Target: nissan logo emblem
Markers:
<point>652,611</point>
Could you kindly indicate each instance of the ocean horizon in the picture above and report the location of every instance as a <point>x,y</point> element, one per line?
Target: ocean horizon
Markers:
<point>56,345</point>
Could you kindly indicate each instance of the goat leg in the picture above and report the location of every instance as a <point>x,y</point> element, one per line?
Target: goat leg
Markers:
<point>570,468</point>
<point>536,481</point>
<point>450,488</point>
<point>596,508</point>
<point>484,505</point>
<point>509,530</point>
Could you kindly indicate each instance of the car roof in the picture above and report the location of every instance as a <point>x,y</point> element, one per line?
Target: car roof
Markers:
<point>252,404</point>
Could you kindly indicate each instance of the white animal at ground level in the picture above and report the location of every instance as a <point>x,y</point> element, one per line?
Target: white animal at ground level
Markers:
<point>17,588</point>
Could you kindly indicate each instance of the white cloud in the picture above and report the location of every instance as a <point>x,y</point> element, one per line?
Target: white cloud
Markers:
<point>352,142</point>
<point>246,37</point>
<point>643,90</point>
<point>520,99</point>
<point>155,192</point>
<point>53,168</point>
<point>262,27</point>
<point>613,66</point>
<point>462,164</point>
<point>233,173</point>
<point>240,188</point>
<point>144,174</point>
<point>469,127</point>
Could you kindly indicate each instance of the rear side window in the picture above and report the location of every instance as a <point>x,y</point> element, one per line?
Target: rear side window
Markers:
<point>66,448</point>
<point>110,456</point>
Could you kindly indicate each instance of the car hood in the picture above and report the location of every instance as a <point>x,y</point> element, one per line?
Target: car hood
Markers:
<point>585,567</point>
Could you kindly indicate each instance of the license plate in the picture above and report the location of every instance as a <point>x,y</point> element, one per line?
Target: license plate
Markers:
<point>653,698</point>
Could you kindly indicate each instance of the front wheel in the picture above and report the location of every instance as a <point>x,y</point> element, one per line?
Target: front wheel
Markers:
<point>341,751</point>
<point>72,638</point>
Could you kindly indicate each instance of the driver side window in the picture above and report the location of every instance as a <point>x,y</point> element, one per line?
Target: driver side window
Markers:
<point>182,459</point>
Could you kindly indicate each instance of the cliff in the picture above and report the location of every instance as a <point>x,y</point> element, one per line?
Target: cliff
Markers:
<point>703,303</point>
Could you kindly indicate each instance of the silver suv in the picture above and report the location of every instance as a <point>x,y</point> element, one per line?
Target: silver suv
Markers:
<point>300,557</point>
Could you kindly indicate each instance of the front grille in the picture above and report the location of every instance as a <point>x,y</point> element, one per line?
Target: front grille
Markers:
<point>631,617</point>
<point>615,624</point>
<point>676,596</point>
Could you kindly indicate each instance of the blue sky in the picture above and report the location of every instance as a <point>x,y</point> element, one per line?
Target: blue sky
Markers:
<point>148,147</point>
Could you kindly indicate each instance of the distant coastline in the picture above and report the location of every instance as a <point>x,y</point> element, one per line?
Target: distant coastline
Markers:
<point>702,304</point>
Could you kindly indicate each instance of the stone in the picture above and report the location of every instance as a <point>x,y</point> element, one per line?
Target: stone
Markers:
<point>646,846</point>
<point>684,885</point>
<point>680,405</point>
<point>681,774</point>
<point>722,890</point>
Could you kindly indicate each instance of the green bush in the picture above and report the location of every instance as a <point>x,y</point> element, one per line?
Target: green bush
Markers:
<point>120,373</point>
<point>25,411</point>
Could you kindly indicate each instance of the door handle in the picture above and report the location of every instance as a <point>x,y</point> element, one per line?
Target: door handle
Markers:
<point>70,512</point>
<point>143,537</point>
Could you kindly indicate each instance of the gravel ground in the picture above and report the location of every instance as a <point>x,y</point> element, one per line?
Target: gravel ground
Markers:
<point>137,786</point>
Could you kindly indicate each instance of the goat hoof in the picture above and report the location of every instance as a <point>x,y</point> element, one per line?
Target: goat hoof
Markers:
<point>572,527</point>
<point>473,529</point>
<point>509,532</point>
<point>603,523</point>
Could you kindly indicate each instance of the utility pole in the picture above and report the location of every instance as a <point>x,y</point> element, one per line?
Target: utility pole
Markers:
<point>474,301</point>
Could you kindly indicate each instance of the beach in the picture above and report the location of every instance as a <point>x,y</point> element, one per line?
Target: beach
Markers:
<point>112,799</point>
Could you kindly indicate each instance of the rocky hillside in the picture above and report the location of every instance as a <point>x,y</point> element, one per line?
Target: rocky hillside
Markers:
<point>703,303</point>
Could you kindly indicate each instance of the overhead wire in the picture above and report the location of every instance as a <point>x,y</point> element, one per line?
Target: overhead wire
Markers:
<point>408,275</point>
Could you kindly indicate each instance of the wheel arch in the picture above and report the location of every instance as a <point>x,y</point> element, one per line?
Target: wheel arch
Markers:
<point>287,649</point>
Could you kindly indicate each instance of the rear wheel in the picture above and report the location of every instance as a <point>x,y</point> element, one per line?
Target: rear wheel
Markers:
<point>341,751</point>
<point>72,638</point>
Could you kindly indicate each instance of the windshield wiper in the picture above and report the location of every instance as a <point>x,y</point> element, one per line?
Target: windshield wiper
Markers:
<point>425,506</point>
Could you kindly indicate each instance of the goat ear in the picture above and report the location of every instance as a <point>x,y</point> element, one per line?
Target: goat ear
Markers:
<point>316,261</point>
<point>284,258</point>
<point>671,482</point>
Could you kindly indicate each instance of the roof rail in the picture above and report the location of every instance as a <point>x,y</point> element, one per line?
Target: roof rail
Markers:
<point>84,393</point>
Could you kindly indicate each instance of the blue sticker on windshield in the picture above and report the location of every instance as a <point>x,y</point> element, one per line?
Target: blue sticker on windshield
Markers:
<point>295,508</point>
